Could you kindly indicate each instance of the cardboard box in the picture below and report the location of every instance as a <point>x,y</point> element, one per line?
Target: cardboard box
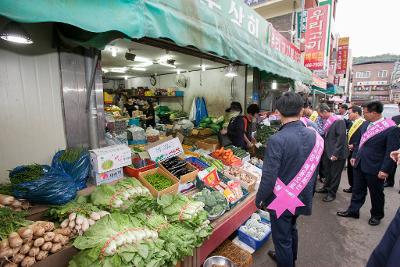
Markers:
<point>110,158</point>
<point>173,189</point>
<point>189,177</point>
<point>106,177</point>
<point>208,144</point>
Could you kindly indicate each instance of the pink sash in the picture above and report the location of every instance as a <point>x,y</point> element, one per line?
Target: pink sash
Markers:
<point>329,123</point>
<point>376,129</point>
<point>286,195</point>
<point>305,120</point>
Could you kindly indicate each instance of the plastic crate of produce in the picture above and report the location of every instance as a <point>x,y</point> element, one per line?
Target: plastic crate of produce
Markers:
<point>252,242</point>
<point>134,172</point>
<point>179,93</point>
<point>197,163</point>
<point>137,142</point>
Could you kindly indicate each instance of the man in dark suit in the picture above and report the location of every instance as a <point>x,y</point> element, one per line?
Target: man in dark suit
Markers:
<point>372,163</point>
<point>390,180</point>
<point>353,138</point>
<point>285,156</point>
<point>335,151</point>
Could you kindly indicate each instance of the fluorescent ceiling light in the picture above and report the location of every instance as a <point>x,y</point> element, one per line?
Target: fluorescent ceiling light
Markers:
<point>13,32</point>
<point>142,65</point>
<point>274,85</point>
<point>178,71</point>
<point>126,78</point>
<point>167,65</point>
<point>203,67</point>
<point>104,70</point>
<point>113,50</point>
<point>165,58</point>
<point>143,59</point>
<point>231,71</point>
<point>139,68</point>
<point>118,70</point>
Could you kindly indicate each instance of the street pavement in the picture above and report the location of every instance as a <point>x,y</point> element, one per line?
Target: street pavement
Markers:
<point>328,240</point>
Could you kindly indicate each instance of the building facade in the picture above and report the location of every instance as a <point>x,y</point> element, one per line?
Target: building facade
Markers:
<point>372,81</point>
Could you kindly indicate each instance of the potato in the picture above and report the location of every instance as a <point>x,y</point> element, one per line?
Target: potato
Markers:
<point>49,236</point>
<point>28,261</point>
<point>27,239</point>
<point>14,240</point>
<point>47,246</point>
<point>56,248</point>
<point>64,240</point>
<point>57,238</point>
<point>25,232</point>
<point>38,231</point>
<point>26,247</point>
<point>63,231</point>
<point>38,242</point>
<point>17,258</point>
<point>34,251</point>
<point>42,255</point>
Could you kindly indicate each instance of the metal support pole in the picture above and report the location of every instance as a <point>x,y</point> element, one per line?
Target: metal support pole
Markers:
<point>91,58</point>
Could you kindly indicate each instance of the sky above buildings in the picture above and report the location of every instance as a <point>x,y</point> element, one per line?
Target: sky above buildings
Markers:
<point>373,26</point>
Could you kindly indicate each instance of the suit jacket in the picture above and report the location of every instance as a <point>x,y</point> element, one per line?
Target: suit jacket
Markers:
<point>356,138</point>
<point>396,119</point>
<point>374,156</point>
<point>336,141</point>
<point>285,154</point>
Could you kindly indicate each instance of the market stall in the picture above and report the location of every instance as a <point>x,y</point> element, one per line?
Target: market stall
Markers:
<point>117,204</point>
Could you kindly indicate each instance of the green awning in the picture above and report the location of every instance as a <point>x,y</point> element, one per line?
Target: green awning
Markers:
<point>228,28</point>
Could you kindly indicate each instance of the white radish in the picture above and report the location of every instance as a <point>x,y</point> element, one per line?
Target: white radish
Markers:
<point>78,227</point>
<point>72,216</point>
<point>94,216</point>
<point>79,219</point>
<point>103,213</point>
<point>65,223</point>
<point>91,222</point>
<point>85,225</point>
<point>71,224</point>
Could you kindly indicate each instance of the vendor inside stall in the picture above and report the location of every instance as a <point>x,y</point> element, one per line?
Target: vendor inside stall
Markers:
<point>236,127</point>
<point>150,114</point>
<point>130,106</point>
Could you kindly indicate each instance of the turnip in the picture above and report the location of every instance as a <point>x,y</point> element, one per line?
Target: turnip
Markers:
<point>79,219</point>
<point>65,223</point>
<point>38,231</point>
<point>71,224</point>
<point>72,216</point>
<point>63,231</point>
<point>94,216</point>
<point>91,222</point>
<point>85,225</point>
<point>4,244</point>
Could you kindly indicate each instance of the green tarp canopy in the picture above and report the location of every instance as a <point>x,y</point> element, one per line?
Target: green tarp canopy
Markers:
<point>227,28</point>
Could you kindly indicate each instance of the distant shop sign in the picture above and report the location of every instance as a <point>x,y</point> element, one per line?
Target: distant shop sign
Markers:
<point>255,2</point>
<point>372,83</point>
<point>284,46</point>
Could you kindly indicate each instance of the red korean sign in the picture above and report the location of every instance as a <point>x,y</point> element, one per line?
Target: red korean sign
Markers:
<point>283,45</point>
<point>342,55</point>
<point>316,37</point>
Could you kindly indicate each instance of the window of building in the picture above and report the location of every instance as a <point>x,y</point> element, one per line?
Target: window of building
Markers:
<point>382,73</point>
<point>363,74</point>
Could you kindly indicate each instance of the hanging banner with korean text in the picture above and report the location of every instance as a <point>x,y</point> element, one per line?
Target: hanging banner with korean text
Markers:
<point>316,38</point>
<point>342,55</point>
<point>284,46</point>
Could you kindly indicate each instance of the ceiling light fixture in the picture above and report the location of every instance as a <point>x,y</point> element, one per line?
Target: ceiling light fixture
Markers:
<point>178,71</point>
<point>274,85</point>
<point>143,65</point>
<point>167,65</point>
<point>126,78</point>
<point>104,70</point>
<point>118,70</point>
<point>139,68</point>
<point>113,50</point>
<point>13,32</point>
<point>203,67</point>
<point>231,71</point>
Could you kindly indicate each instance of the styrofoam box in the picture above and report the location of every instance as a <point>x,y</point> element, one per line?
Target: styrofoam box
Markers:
<point>110,158</point>
<point>106,177</point>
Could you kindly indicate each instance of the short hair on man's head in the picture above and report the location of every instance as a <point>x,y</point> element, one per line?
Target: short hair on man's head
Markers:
<point>356,109</point>
<point>344,106</point>
<point>374,106</point>
<point>290,104</point>
<point>307,104</point>
<point>253,109</point>
<point>324,107</point>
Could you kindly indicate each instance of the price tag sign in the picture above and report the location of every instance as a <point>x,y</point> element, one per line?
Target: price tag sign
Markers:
<point>165,150</point>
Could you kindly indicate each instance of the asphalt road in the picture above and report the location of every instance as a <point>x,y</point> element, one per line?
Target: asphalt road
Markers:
<point>328,240</point>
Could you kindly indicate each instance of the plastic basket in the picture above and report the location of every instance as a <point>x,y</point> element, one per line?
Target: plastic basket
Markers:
<point>179,93</point>
<point>133,172</point>
<point>137,142</point>
<point>134,121</point>
<point>199,164</point>
<point>252,242</point>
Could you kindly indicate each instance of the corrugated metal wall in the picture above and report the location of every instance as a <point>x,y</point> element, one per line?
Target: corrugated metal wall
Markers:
<point>31,119</point>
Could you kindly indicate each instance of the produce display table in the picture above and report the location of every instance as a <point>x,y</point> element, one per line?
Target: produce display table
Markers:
<point>223,228</point>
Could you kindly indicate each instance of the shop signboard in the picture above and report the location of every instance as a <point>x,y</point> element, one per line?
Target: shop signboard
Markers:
<point>342,55</point>
<point>316,38</point>
<point>284,46</point>
<point>318,82</point>
<point>301,22</point>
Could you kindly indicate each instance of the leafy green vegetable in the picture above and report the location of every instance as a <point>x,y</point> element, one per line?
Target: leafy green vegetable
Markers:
<point>6,189</point>
<point>71,155</point>
<point>158,181</point>
<point>11,221</point>
<point>120,195</point>
<point>27,173</point>
<point>215,202</point>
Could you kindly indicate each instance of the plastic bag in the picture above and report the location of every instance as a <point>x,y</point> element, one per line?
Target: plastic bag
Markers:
<point>78,169</point>
<point>136,133</point>
<point>54,187</point>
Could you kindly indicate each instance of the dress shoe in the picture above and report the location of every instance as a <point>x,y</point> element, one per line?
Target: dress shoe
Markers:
<point>328,198</point>
<point>348,190</point>
<point>347,214</point>
<point>272,254</point>
<point>374,221</point>
<point>321,191</point>
<point>388,185</point>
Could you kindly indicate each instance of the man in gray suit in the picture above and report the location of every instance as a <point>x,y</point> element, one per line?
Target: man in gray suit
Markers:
<point>335,151</point>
